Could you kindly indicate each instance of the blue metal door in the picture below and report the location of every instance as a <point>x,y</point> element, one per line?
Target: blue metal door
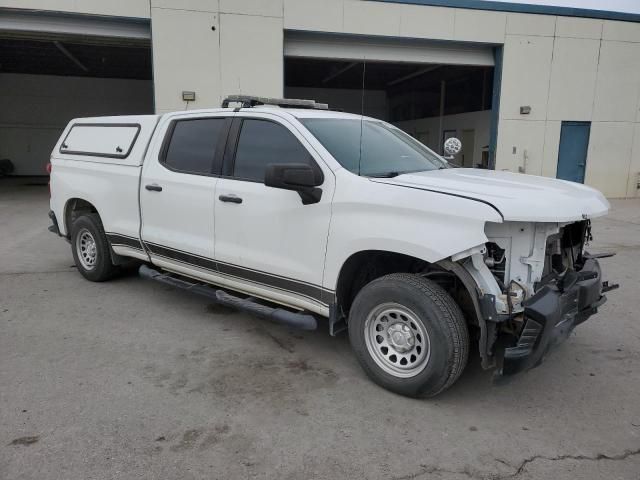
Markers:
<point>572,154</point>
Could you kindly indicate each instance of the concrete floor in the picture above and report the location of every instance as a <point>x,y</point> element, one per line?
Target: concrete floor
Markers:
<point>129,379</point>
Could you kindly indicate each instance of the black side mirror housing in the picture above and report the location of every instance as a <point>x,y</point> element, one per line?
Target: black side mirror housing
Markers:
<point>299,177</point>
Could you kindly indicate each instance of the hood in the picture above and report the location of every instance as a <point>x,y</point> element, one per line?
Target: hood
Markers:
<point>518,197</point>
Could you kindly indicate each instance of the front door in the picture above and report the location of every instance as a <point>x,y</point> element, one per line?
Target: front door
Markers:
<point>572,154</point>
<point>267,242</point>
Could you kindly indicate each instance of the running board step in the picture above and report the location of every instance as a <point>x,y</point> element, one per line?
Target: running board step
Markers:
<point>302,321</point>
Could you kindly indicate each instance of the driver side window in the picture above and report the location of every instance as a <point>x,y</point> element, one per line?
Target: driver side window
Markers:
<point>262,142</point>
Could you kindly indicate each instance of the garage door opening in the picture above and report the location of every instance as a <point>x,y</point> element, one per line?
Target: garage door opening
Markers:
<point>431,98</point>
<point>48,79</point>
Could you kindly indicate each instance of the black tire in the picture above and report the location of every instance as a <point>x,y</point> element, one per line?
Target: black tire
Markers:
<point>446,329</point>
<point>102,268</point>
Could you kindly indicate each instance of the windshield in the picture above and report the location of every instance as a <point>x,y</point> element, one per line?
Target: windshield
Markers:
<point>385,151</point>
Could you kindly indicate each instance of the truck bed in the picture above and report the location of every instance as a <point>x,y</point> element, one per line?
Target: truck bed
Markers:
<point>98,158</point>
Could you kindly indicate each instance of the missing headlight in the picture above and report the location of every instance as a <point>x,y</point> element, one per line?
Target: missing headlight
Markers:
<point>496,261</point>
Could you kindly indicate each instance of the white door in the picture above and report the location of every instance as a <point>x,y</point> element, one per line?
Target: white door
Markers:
<point>468,145</point>
<point>266,239</point>
<point>177,193</point>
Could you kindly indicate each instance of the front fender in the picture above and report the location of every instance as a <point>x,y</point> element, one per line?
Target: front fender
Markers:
<point>426,225</point>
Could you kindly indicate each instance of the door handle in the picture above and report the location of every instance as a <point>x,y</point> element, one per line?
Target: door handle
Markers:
<point>230,198</point>
<point>154,187</point>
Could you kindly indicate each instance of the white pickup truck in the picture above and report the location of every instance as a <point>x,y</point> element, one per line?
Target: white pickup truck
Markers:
<point>293,212</point>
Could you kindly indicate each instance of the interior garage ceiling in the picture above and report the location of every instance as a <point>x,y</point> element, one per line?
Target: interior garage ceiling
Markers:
<point>303,72</point>
<point>64,56</point>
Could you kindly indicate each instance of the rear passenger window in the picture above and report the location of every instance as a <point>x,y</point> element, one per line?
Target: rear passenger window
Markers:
<point>262,142</point>
<point>193,144</point>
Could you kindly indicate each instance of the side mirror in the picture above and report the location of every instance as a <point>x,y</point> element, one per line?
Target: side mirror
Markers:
<point>452,146</point>
<point>299,177</point>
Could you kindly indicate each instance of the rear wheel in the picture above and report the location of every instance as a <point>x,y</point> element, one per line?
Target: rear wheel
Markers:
<point>409,335</point>
<point>90,248</point>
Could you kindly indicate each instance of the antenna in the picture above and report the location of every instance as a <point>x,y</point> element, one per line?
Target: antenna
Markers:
<point>364,69</point>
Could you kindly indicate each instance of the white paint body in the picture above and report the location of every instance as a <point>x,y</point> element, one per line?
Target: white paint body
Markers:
<point>432,216</point>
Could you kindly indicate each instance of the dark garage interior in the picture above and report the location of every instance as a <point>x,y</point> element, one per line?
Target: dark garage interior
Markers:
<point>429,101</point>
<point>45,81</point>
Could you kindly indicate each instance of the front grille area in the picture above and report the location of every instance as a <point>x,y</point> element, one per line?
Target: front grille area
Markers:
<point>564,250</point>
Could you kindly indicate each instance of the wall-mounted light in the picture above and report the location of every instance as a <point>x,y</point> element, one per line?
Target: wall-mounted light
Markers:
<point>188,96</point>
<point>525,110</point>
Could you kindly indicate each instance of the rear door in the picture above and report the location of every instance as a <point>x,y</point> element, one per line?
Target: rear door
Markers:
<point>177,192</point>
<point>267,242</point>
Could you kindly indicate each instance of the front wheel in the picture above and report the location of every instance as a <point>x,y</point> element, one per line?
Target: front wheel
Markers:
<point>409,335</point>
<point>90,248</point>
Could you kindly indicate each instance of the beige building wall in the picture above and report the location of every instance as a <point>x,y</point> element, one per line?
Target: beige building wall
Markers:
<point>395,19</point>
<point>572,69</point>
<point>564,68</point>
<point>186,57</point>
<point>216,48</point>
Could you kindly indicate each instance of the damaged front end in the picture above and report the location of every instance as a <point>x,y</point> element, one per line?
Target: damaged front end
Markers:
<point>534,283</point>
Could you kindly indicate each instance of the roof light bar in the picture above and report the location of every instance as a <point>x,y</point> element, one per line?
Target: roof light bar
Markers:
<point>248,101</point>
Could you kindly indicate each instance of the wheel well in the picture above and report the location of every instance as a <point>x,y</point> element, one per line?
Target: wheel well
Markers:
<point>75,208</point>
<point>364,267</point>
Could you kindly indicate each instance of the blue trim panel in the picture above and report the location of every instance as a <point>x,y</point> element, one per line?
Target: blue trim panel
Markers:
<point>495,106</point>
<point>524,8</point>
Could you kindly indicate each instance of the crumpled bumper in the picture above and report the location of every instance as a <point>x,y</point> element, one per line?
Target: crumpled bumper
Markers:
<point>552,314</point>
